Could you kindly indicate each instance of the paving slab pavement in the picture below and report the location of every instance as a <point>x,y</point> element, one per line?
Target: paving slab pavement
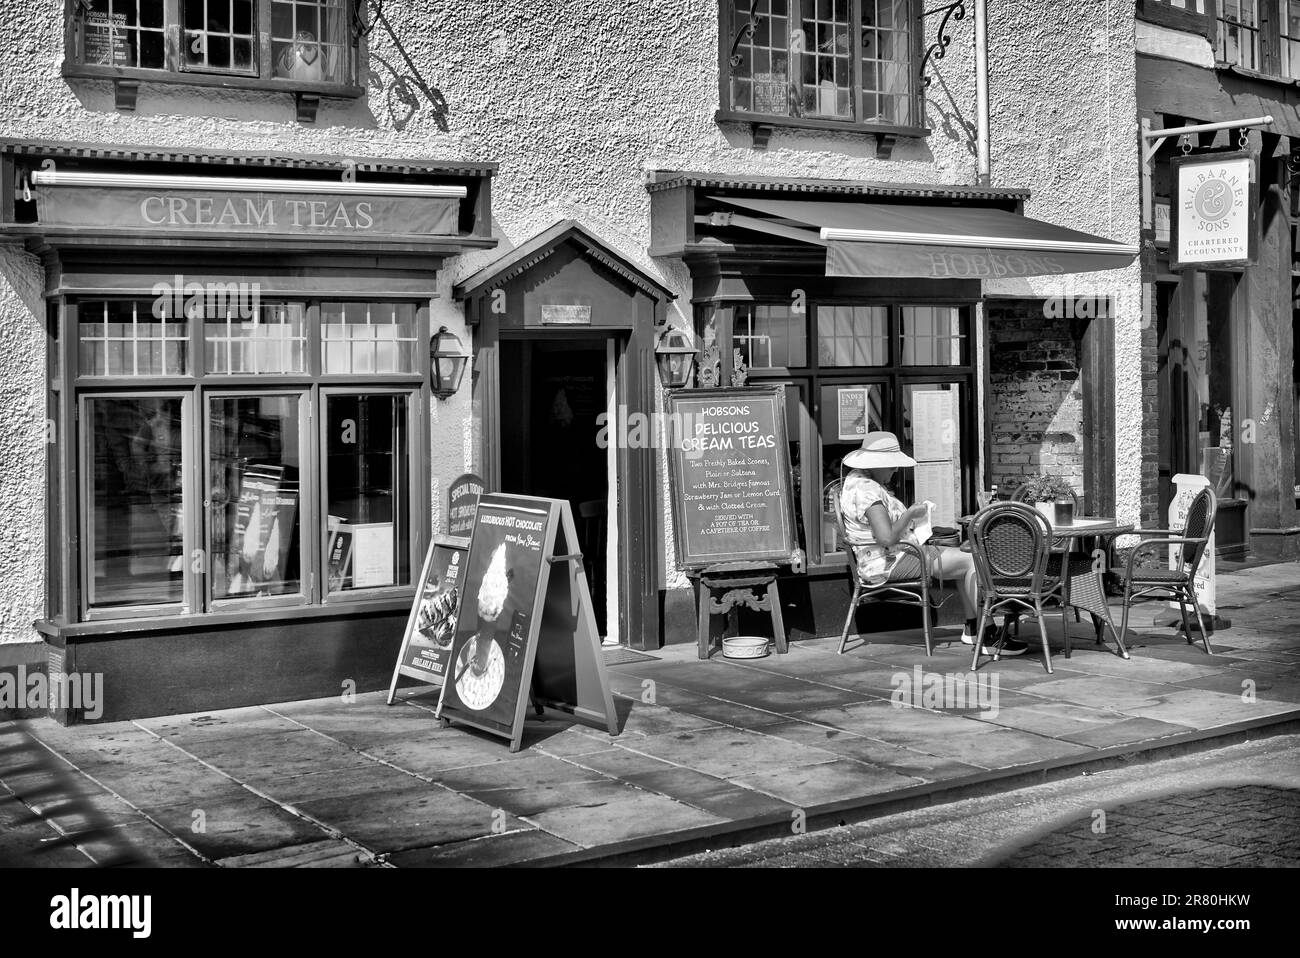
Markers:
<point>706,749</point>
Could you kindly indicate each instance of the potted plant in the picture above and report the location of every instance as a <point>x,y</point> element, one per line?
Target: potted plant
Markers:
<point>1042,492</point>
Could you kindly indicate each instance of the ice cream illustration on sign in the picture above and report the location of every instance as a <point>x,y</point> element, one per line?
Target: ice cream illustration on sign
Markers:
<point>481,669</point>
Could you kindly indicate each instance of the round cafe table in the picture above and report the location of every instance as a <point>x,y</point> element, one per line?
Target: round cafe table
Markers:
<point>1085,586</point>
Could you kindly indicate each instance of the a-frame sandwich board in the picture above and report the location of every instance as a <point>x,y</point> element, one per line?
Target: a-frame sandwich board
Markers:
<point>526,623</point>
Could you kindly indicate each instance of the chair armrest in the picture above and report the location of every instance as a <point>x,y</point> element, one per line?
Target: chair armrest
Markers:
<point>1156,543</point>
<point>922,554</point>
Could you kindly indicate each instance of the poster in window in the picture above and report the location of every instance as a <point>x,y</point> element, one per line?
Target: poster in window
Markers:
<point>264,527</point>
<point>852,405</point>
<point>338,554</point>
<point>106,39</point>
<point>372,554</point>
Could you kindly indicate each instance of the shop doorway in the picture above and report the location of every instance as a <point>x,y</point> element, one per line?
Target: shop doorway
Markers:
<point>556,394</point>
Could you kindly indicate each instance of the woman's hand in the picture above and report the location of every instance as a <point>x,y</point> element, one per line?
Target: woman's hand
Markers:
<point>918,511</point>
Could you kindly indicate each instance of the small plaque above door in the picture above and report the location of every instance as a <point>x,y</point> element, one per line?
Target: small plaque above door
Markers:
<point>566,315</point>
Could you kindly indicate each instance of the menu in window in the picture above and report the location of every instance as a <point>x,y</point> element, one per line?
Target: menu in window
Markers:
<point>934,440</point>
<point>106,42</point>
<point>372,554</point>
<point>934,425</point>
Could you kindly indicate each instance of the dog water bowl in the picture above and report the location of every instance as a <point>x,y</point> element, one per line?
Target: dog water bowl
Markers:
<point>745,647</point>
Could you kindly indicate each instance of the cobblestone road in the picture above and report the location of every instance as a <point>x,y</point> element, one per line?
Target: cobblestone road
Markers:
<point>1235,806</point>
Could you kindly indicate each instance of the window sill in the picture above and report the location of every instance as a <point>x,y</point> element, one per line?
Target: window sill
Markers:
<point>1221,66</point>
<point>127,80</point>
<point>61,631</point>
<point>762,126</point>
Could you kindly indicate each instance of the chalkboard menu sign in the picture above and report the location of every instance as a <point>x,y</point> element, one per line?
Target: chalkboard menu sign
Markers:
<point>729,468</point>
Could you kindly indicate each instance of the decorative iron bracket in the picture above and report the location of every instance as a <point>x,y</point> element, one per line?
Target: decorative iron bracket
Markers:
<point>939,48</point>
<point>746,31</point>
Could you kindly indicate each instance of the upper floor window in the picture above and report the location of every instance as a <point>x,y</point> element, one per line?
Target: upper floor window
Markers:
<point>293,43</point>
<point>1239,33</point>
<point>825,60</point>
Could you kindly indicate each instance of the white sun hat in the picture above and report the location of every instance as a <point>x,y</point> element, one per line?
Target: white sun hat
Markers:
<point>879,450</point>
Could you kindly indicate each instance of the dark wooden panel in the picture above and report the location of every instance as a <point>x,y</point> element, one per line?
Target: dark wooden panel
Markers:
<point>1202,95</point>
<point>238,665</point>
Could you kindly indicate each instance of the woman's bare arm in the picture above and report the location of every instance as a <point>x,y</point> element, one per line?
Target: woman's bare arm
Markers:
<point>883,532</point>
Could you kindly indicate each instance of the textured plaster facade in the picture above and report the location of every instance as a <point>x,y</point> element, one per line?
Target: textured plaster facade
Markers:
<point>577,101</point>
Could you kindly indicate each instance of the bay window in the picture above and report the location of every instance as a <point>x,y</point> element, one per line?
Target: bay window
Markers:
<point>853,368</point>
<point>828,61</point>
<point>262,458</point>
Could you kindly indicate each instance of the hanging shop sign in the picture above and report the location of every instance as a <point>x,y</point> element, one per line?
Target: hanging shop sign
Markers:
<point>729,467</point>
<point>1216,203</point>
<point>426,645</point>
<point>218,211</point>
<point>526,628</point>
<point>462,500</point>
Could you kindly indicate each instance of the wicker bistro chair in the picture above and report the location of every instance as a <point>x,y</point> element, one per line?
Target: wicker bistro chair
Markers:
<point>910,590</point>
<point>1178,583</point>
<point>1011,545</point>
<point>1062,546</point>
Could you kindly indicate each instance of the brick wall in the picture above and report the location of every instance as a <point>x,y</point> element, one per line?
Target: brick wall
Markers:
<point>1036,397</point>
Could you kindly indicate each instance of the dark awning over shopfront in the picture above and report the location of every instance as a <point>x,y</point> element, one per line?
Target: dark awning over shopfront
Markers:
<point>940,242</point>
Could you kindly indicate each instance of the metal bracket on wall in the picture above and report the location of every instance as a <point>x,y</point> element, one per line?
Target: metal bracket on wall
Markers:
<point>1155,139</point>
<point>939,48</point>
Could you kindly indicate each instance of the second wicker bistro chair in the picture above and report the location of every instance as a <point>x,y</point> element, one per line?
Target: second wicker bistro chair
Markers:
<point>1011,545</point>
<point>1178,583</point>
<point>914,590</point>
<point>1062,545</point>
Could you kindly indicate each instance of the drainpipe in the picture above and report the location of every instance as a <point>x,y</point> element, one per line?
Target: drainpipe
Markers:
<point>983,173</point>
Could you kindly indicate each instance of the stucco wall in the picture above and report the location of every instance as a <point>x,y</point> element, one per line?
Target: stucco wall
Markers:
<point>576,101</point>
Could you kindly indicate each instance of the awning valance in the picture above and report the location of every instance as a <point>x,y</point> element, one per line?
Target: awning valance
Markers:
<point>941,242</point>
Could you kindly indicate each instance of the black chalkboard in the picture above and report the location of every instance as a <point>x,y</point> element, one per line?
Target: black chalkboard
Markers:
<point>729,469</point>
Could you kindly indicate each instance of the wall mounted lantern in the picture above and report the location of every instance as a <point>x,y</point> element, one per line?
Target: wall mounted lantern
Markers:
<point>447,361</point>
<point>675,356</point>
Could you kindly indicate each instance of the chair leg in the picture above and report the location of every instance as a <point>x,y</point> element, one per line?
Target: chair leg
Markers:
<point>985,616</point>
<point>1065,627</point>
<point>1182,609</point>
<point>1196,606</point>
<point>925,616</point>
<point>1042,630</point>
<point>848,619</point>
<point>1123,623</point>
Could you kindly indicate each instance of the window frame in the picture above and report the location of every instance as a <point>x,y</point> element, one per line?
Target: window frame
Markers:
<point>807,381</point>
<point>732,22</point>
<point>174,72</point>
<point>67,519</point>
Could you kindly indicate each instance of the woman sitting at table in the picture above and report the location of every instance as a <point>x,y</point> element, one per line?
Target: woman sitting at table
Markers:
<point>875,521</point>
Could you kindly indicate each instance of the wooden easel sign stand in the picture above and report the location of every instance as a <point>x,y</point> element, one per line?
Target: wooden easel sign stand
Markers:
<point>733,503</point>
<point>526,627</point>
